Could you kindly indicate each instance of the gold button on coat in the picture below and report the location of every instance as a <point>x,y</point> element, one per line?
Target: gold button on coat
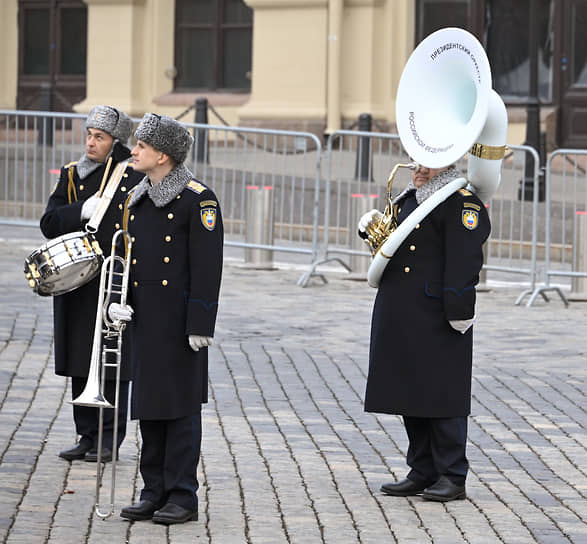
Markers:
<point>168,238</point>
<point>164,283</point>
<point>412,248</point>
<point>81,187</point>
<point>165,259</point>
<point>406,269</point>
<point>120,206</point>
<point>134,261</point>
<point>417,226</point>
<point>136,283</point>
<point>123,189</point>
<point>132,239</point>
<point>170,216</point>
<point>132,217</point>
<point>117,225</point>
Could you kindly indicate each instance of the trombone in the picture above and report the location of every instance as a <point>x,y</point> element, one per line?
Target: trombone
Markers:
<point>107,333</point>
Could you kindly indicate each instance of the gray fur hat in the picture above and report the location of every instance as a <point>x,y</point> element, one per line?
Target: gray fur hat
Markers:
<point>166,135</point>
<point>111,120</point>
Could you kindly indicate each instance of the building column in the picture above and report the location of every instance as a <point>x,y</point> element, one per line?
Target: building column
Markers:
<point>288,88</point>
<point>130,45</point>
<point>9,56</point>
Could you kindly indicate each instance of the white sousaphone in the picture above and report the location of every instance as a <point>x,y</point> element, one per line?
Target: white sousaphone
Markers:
<point>445,107</point>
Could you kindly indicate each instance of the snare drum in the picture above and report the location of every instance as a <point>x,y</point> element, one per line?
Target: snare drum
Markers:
<point>63,263</point>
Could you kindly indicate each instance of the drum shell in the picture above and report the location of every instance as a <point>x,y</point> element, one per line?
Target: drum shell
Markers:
<point>64,263</point>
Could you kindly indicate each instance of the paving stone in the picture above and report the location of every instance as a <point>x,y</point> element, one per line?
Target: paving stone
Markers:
<point>289,455</point>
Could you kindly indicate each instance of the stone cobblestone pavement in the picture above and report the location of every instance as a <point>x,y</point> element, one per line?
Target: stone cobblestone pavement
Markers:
<point>288,455</point>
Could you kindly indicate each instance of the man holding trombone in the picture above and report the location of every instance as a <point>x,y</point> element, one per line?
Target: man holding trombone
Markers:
<point>177,242</point>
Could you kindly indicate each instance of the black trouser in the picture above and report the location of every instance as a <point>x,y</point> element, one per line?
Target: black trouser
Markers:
<point>87,419</point>
<point>169,460</point>
<point>437,448</point>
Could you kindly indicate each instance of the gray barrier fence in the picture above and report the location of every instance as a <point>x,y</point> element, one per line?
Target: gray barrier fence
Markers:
<point>358,165</point>
<point>565,226</point>
<point>268,181</point>
<point>282,193</point>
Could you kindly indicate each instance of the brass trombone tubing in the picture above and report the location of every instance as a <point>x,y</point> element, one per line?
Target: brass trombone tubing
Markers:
<point>106,329</point>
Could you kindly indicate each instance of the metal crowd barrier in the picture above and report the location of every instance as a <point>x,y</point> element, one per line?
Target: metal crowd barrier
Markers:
<point>281,194</point>
<point>242,165</point>
<point>357,169</point>
<point>276,173</point>
<point>565,225</point>
<point>33,147</point>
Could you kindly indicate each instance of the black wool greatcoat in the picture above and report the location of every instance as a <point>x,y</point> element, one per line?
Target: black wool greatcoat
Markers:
<point>418,364</point>
<point>175,279</point>
<point>74,313</point>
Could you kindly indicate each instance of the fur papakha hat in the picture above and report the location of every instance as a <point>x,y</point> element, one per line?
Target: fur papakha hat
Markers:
<point>111,120</point>
<point>166,135</point>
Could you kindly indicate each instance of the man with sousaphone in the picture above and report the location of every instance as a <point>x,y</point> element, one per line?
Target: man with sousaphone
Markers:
<point>428,253</point>
<point>71,207</point>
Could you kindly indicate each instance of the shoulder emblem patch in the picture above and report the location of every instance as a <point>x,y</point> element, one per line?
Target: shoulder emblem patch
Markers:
<point>208,217</point>
<point>465,192</point>
<point>196,187</point>
<point>470,219</point>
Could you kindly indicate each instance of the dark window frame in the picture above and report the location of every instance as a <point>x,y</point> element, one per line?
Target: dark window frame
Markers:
<point>66,88</point>
<point>219,28</point>
<point>476,25</point>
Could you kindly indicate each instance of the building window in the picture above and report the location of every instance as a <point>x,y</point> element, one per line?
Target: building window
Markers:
<point>213,45</point>
<point>506,34</point>
<point>502,26</point>
<point>52,46</point>
<point>432,15</point>
<point>35,42</point>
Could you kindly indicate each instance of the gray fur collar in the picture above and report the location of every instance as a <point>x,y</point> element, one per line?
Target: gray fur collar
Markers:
<point>166,190</point>
<point>428,189</point>
<point>86,166</point>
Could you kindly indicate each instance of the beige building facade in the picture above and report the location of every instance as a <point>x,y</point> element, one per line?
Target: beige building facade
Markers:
<point>316,65</point>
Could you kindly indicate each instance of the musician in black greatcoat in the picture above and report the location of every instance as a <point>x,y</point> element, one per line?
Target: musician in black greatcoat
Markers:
<point>70,206</point>
<point>177,246</point>
<point>420,357</point>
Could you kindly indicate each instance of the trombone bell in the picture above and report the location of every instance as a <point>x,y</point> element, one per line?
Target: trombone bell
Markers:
<point>92,398</point>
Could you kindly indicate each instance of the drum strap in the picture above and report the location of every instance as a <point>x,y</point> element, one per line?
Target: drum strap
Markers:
<point>71,190</point>
<point>107,195</point>
<point>106,170</point>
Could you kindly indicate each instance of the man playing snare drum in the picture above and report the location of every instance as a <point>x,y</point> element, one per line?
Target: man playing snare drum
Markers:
<point>70,206</point>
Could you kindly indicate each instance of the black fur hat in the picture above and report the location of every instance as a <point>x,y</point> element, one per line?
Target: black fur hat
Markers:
<point>111,120</point>
<point>166,135</point>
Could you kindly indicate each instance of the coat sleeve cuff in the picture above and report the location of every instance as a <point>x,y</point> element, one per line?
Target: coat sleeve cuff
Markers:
<point>459,305</point>
<point>201,317</point>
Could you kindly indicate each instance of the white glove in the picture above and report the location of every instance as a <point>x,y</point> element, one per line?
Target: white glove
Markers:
<point>197,342</point>
<point>118,312</point>
<point>89,206</point>
<point>462,325</point>
<point>369,217</point>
